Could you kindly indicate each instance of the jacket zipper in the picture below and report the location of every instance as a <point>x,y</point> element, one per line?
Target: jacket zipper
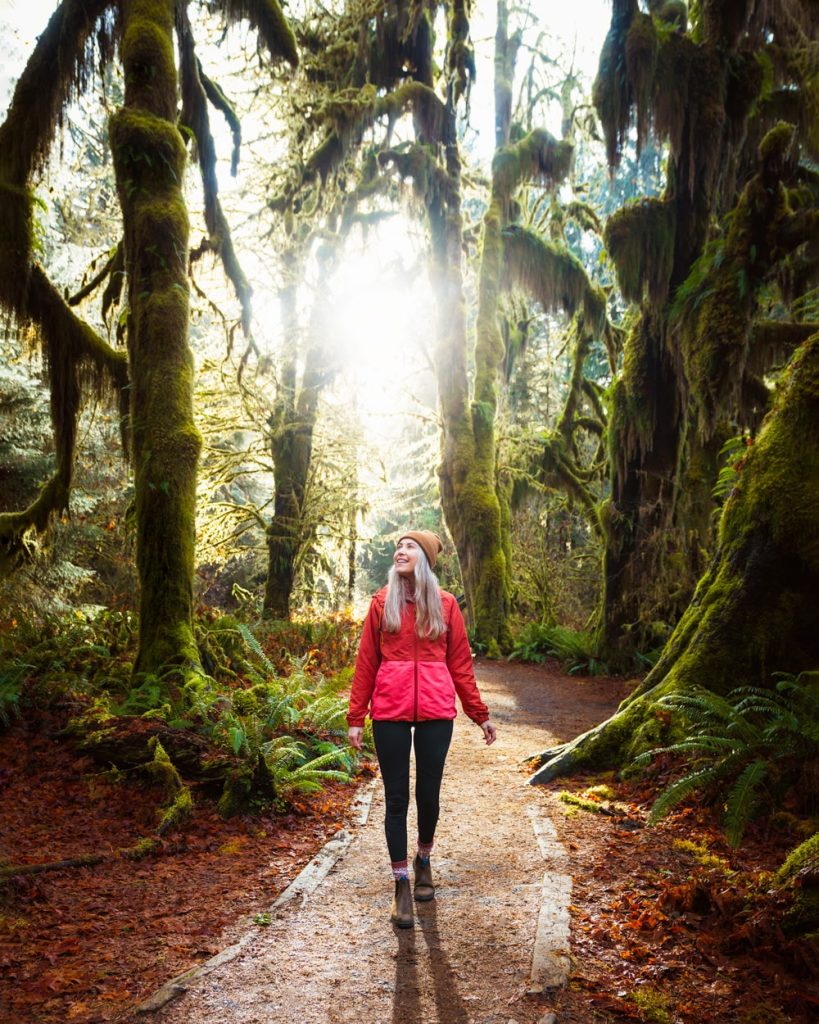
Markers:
<point>415,672</point>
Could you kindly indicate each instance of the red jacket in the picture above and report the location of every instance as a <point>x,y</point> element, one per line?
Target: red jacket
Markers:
<point>401,677</point>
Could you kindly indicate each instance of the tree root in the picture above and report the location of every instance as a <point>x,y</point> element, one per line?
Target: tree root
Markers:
<point>136,852</point>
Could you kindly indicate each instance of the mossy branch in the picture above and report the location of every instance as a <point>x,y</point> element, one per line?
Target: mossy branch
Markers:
<point>274,29</point>
<point>136,852</point>
<point>195,116</point>
<point>538,157</point>
<point>557,466</point>
<point>218,99</point>
<point>91,286</point>
<point>640,240</point>
<point>350,116</point>
<point>553,276</point>
<point>61,64</point>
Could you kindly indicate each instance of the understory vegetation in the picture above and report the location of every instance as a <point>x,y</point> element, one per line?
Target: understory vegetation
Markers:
<point>262,725</point>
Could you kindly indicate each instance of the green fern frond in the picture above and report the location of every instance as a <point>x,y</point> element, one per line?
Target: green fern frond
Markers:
<point>257,649</point>
<point>10,688</point>
<point>742,801</point>
<point>679,790</point>
<point>326,713</point>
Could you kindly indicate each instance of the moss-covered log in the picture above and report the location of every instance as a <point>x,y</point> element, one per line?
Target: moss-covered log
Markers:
<point>755,610</point>
<point>149,161</point>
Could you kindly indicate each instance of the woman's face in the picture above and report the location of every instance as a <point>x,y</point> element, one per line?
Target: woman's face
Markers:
<point>405,557</point>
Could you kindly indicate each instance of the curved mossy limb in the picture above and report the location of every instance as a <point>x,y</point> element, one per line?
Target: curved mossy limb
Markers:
<point>755,610</point>
<point>16,527</point>
<point>640,240</point>
<point>149,161</point>
<point>195,94</point>
<point>268,17</point>
<point>76,358</point>
<point>538,157</point>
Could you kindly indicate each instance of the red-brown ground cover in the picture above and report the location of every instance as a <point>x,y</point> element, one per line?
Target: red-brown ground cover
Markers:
<point>85,943</point>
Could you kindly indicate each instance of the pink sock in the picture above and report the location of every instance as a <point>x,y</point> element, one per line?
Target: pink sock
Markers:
<point>400,869</point>
<point>425,849</point>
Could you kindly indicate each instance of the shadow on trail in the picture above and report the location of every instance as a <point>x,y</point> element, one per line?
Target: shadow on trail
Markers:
<point>407,994</point>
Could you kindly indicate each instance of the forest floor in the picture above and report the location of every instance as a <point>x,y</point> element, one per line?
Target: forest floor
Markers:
<point>667,925</point>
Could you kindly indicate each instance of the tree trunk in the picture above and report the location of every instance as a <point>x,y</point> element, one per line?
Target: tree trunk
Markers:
<point>149,161</point>
<point>691,91</point>
<point>293,423</point>
<point>467,470</point>
<point>756,608</point>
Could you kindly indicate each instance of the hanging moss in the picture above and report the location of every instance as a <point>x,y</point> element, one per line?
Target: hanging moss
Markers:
<point>428,110</point>
<point>611,93</point>
<point>16,226</point>
<point>538,157</point>
<point>642,47</point>
<point>672,77</point>
<point>60,67</point>
<point>267,17</point>
<point>553,276</point>
<point>723,23</point>
<point>640,240</point>
<point>461,55</point>
<point>715,306</point>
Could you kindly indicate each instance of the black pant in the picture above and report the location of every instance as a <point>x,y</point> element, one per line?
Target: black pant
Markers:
<point>393,741</point>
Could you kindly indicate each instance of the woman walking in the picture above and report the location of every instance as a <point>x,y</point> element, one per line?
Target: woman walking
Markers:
<point>413,658</point>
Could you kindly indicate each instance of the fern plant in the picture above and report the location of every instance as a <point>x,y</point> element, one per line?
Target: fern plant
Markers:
<point>11,682</point>
<point>742,748</point>
<point>577,650</point>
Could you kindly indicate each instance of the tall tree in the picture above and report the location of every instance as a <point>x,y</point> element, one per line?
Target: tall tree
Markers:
<point>157,374</point>
<point>752,609</point>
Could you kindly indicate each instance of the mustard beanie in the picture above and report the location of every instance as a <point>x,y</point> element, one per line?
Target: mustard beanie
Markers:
<point>428,542</point>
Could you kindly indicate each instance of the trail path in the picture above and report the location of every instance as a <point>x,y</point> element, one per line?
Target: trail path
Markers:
<point>502,898</point>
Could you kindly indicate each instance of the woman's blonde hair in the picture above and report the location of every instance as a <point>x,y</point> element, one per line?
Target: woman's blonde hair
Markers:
<point>429,610</point>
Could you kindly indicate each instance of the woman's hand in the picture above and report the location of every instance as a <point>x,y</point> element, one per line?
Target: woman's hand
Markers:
<point>490,733</point>
<point>354,734</point>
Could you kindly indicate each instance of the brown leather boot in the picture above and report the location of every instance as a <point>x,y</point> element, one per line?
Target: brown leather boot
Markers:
<point>424,888</point>
<point>401,913</point>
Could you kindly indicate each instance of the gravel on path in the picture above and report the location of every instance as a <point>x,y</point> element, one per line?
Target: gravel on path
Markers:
<point>333,956</point>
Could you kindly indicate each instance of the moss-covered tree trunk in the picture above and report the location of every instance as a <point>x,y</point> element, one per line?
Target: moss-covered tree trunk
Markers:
<point>756,608</point>
<point>149,161</point>
<point>467,469</point>
<point>469,495</point>
<point>293,423</point>
<point>698,95</point>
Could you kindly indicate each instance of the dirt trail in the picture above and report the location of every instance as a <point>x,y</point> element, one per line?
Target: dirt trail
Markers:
<point>335,957</point>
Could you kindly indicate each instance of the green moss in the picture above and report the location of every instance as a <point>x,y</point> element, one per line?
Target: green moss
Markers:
<point>642,47</point>
<point>777,146</point>
<point>537,157</point>
<point>148,150</point>
<point>16,233</point>
<point>611,93</point>
<point>675,60</point>
<point>176,813</point>
<point>268,18</point>
<point>640,239</point>
<point>552,275</point>
<point>654,1005</point>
